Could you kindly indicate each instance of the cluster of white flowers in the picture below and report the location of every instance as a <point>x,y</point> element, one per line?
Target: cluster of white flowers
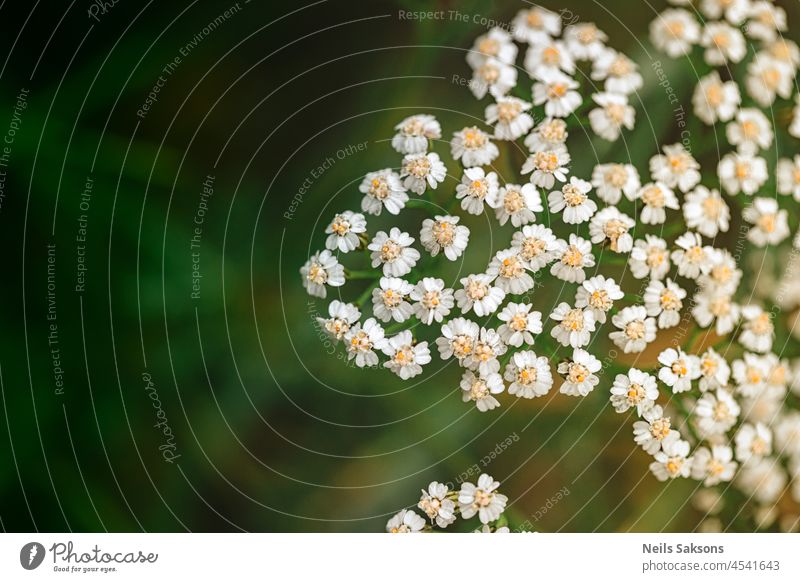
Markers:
<point>442,506</point>
<point>739,412</point>
<point>733,410</point>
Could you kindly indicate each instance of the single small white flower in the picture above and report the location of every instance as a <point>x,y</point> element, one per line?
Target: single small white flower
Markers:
<point>585,41</point>
<point>383,189</point>
<point>321,271</point>
<point>406,357</point>
<point>475,189</point>
<point>612,225</point>
<point>676,168</point>
<point>536,245</point>
<point>510,269</point>
<point>393,252</point>
<point>557,92</point>
<point>753,441</point>
<point>652,430</point>
<point>520,324</point>
<point>342,316</point>
<point>636,389</point>
<point>712,306</point>
<point>573,199</point>
<point>496,44</point>
<point>433,300</point>
<point>363,342</point>
<point>548,135</point>
<point>550,57</point>
<point>436,505</point>
<point>493,76</point>
<point>488,347</point>
<point>764,480</point>
<point>614,113</point>
<point>716,413</point>
<point>575,325</point>
<point>691,256</point>
<point>787,434</point>
<point>750,131</point>
<point>480,389</point>
<point>788,177</point>
<point>443,233</point>
<point>784,50</point>
<point>734,11</point>
<point>610,181</point>
<point>714,100</point>
<point>406,521</point>
<point>414,132</point>
<point>673,459</point>
<point>482,499</point>
<point>421,171</point>
<point>768,78</point>
<point>713,466</point>
<point>723,274</point>
<point>518,203</point>
<point>389,300</point>
<point>535,25</point>
<point>529,374</point>
<point>750,374</point>
<point>714,371</point>
<point>479,295</point>
<point>765,19</point>
<point>473,147</point>
<point>770,223</point>
<point>636,329</point>
<point>757,329</point>
<point>706,212</point>
<point>580,373</point>
<point>547,166</point>
<point>343,231</point>
<point>572,258</point>
<point>656,197</point>
<point>598,294</point>
<point>650,258</point>
<point>741,172</point>
<point>458,339</point>
<point>724,44</point>
<point>618,71</point>
<point>674,32</point>
<point>665,302</point>
<point>678,370</point>
<point>510,118</point>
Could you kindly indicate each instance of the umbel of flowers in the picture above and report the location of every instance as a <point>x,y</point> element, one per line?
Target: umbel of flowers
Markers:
<point>722,412</point>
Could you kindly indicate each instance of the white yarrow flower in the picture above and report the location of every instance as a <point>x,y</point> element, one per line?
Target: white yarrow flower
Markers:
<point>636,329</point>
<point>383,189</point>
<point>413,134</point>
<point>433,300</point>
<point>473,147</point>
<point>482,499</point>
<point>421,171</point>
<point>529,375</point>
<point>636,389</point>
<point>580,373</point>
<point>406,357</point>
<point>393,252</point>
<point>520,324</point>
<point>321,271</point>
<point>444,234</point>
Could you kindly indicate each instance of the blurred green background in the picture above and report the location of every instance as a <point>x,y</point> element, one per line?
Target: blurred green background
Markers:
<point>268,431</point>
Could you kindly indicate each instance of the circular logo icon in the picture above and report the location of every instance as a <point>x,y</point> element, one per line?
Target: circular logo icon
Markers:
<point>31,555</point>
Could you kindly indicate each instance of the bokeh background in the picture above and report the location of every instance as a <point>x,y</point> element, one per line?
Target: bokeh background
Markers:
<point>268,430</point>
